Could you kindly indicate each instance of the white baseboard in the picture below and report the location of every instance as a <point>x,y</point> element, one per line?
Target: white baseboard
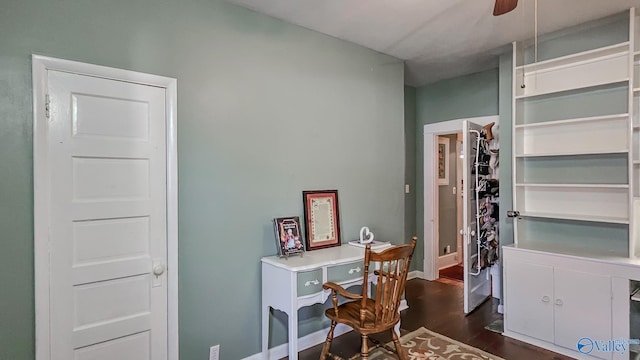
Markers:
<point>415,275</point>
<point>448,260</point>
<point>403,305</point>
<point>304,342</point>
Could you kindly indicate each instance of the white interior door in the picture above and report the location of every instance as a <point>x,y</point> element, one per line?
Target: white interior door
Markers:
<point>477,282</point>
<point>107,219</point>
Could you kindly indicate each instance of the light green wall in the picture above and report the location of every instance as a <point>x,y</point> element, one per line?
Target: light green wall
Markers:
<point>410,168</point>
<point>591,35</point>
<point>265,110</point>
<point>462,97</point>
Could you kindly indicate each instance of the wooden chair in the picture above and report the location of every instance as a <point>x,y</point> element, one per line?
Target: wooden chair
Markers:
<point>380,312</point>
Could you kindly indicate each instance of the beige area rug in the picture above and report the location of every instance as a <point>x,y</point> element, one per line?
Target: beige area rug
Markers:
<point>425,344</point>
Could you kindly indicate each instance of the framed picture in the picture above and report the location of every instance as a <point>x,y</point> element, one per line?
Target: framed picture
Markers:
<point>443,160</point>
<point>288,238</point>
<point>321,219</point>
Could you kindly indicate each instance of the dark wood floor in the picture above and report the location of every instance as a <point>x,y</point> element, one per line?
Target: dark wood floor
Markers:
<point>437,305</point>
<point>455,272</point>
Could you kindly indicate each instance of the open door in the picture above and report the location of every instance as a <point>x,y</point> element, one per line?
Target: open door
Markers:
<point>477,282</point>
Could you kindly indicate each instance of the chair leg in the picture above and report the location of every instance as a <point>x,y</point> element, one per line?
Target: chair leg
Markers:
<point>364,351</point>
<point>327,343</point>
<point>396,341</point>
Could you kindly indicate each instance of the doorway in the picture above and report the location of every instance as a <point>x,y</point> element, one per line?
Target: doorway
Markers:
<point>450,264</point>
<point>479,289</point>
<point>105,204</point>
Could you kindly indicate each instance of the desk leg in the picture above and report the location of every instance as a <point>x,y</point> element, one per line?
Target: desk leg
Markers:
<point>293,334</point>
<point>265,331</point>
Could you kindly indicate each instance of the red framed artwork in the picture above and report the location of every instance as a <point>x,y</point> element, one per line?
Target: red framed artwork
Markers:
<point>322,219</point>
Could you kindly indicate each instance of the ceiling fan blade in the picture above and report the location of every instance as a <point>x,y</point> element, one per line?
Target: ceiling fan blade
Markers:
<point>504,6</point>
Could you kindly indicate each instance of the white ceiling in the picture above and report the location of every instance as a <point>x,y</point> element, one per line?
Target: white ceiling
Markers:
<point>438,39</point>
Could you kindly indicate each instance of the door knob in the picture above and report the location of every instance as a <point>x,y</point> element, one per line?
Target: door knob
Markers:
<point>559,302</point>
<point>545,299</point>
<point>513,214</point>
<point>158,269</point>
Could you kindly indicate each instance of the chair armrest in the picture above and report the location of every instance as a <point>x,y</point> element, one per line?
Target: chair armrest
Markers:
<point>340,290</point>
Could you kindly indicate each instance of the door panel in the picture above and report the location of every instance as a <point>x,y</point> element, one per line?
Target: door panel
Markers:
<point>121,349</point>
<point>107,147</point>
<point>582,308</point>
<point>529,299</point>
<point>477,282</point>
<point>108,118</point>
<point>110,240</point>
<point>106,179</point>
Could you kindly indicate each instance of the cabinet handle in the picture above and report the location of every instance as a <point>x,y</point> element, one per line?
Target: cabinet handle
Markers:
<point>311,282</point>
<point>545,299</point>
<point>357,270</point>
<point>559,302</point>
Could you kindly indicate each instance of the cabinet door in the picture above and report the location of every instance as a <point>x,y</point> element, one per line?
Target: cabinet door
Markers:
<point>528,299</point>
<point>582,308</point>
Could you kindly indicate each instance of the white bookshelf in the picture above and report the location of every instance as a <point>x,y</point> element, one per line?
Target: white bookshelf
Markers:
<point>576,171</point>
<point>574,136</point>
<point>576,163</point>
<point>585,69</point>
<point>598,202</point>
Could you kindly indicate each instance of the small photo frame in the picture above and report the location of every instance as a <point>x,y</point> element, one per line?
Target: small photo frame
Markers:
<point>321,218</point>
<point>288,237</point>
<point>443,160</point>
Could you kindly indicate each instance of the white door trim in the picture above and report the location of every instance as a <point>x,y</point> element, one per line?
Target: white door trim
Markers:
<point>40,66</point>
<point>430,230</point>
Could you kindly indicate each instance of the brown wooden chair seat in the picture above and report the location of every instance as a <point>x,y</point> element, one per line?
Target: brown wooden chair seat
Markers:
<point>380,312</point>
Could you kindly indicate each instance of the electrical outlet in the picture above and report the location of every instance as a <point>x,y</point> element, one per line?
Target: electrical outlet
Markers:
<point>214,352</point>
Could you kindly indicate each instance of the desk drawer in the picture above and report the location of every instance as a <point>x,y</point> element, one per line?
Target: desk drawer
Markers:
<point>309,282</point>
<point>346,272</point>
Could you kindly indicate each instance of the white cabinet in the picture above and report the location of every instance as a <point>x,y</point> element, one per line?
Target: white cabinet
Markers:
<point>529,293</point>
<point>581,307</point>
<point>634,317</point>
<point>555,304</point>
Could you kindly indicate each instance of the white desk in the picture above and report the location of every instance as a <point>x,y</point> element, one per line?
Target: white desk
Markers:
<point>291,283</point>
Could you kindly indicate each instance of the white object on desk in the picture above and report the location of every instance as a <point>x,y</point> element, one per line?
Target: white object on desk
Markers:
<point>366,236</point>
<point>291,283</point>
<point>375,245</point>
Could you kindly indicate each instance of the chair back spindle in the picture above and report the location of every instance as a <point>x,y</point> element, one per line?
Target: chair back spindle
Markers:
<point>390,275</point>
<point>370,314</point>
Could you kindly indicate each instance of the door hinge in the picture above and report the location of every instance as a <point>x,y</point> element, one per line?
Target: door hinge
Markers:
<point>47,107</point>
